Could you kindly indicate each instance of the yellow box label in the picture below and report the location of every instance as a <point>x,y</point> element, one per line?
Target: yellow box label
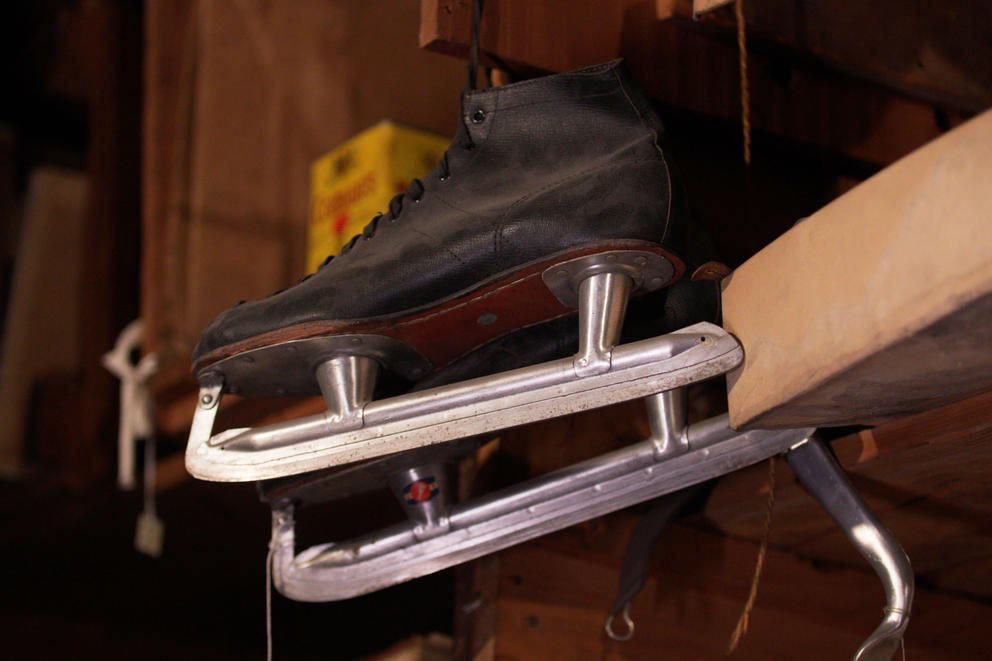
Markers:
<point>355,181</point>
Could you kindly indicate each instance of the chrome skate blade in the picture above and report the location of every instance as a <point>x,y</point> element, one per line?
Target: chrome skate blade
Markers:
<point>819,472</point>
<point>469,408</point>
<point>589,489</point>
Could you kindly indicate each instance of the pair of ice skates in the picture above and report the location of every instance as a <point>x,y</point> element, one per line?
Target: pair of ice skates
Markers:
<point>555,198</point>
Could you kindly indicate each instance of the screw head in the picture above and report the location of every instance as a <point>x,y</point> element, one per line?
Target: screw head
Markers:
<point>207,399</point>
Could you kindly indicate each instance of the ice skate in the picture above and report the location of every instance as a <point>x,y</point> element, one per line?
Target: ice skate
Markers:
<point>494,294</point>
<point>554,199</point>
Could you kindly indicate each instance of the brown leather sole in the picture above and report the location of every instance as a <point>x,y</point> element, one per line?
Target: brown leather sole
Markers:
<point>449,329</point>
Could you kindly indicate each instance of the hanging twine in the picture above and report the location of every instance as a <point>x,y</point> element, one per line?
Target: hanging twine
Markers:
<point>743,621</point>
<point>745,91</point>
<point>268,600</point>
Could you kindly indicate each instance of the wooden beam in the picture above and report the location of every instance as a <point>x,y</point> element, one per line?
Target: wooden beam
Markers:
<point>879,304</point>
<point>109,271</point>
<point>700,7</point>
<point>685,64</point>
<point>167,133</point>
<point>40,339</point>
<point>936,52</point>
<point>926,476</point>
<point>555,593</point>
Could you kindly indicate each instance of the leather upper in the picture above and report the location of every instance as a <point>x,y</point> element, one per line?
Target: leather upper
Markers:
<point>535,168</point>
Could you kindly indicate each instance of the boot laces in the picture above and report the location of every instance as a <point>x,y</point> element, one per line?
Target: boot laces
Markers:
<point>415,190</point>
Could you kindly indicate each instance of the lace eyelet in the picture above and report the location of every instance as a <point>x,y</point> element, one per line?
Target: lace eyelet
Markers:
<point>444,177</point>
<point>479,116</point>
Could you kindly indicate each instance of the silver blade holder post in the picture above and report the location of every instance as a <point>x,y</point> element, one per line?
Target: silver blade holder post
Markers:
<point>602,306</point>
<point>347,383</point>
<point>667,414</point>
<point>423,494</point>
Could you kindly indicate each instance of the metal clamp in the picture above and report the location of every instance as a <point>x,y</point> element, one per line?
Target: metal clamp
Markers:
<point>819,472</point>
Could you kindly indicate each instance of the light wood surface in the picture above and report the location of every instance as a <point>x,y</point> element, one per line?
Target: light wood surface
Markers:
<point>879,304</point>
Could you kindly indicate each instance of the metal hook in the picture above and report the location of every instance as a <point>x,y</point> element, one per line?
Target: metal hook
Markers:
<point>629,623</point>
<point>823,477</point>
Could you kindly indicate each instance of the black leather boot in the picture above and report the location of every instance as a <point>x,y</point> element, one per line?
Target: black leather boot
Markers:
<point>539,173</point>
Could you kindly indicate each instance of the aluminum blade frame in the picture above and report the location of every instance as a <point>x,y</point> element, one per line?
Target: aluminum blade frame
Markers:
<point>607,483</point>
<point>446,413</point>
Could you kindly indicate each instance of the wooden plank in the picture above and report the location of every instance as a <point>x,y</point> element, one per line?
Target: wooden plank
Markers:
<point>109,272</point>
<point>926,476</point>
<point>42,321</point>
<point>935,52</point>
<point>555,594</point>
<point>939,437</point>
<point>681,64</point>
<point>879,304</point>
<point>477,581</point>
<point>239,100</point>
<point>167,132</point>
<point>700,7</point>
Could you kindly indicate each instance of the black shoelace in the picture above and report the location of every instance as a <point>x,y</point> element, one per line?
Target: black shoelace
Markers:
<point>416,189</point>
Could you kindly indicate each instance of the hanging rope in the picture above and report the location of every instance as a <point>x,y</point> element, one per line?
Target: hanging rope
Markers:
<point>745,91</point>
<point>268,602</point>
<point>744,620</point>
